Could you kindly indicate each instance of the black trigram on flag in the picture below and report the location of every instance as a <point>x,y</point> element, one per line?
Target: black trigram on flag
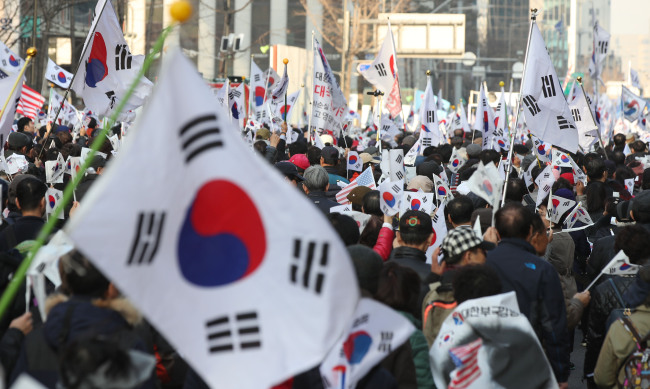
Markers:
<point>396,188</point>
<point>425,142</point>
<point>148,231</point>
<point>257,78</point>
<point>431,116</point>
<point>385,342</point>
<point>602,47</point>
<point>381,69</point>
<point>3,75</point>
<point>498,107</point>
<point>548,86</point>
<point>110,95</point>
<point>385,127</point>
<point>123,57</point>
<point>575,112</point>
<point>309,265</point>
<point>225,333</point>
<point>199,135</point>
<point>399,158</point>
<point>563,123</point>
<point>531,104</point>
<point>399,175</point>
<point>234,93</point>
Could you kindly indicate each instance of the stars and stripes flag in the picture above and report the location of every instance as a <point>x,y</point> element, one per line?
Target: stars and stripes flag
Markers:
<point>466,360</point>
<point>30,102</point>
<point>364,179</point>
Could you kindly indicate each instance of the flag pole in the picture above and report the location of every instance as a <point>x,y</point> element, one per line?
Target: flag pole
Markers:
<point>181,11</point>
<point>285,62</point>
<point>311,105</point>
<point>579,80</point>
<point>31,52</point>
<point>533,18</point>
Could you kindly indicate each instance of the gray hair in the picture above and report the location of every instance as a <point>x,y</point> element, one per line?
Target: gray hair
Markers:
<point>316,178</point>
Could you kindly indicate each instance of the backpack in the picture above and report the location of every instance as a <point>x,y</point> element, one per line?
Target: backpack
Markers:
<point>437,305</point>
<point>635,369</point>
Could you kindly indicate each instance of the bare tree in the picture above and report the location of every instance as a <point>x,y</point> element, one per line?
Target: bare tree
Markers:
<point>362,36</point>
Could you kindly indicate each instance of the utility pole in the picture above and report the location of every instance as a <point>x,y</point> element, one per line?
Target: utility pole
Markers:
<point>346,43</point>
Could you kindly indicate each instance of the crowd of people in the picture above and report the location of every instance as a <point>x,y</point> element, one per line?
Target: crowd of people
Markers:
<point>93,337</point>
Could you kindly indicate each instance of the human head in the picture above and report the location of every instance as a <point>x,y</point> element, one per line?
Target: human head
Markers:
<point>513,221</point>
<point>355,197</point>
<point>459,210</point>
<point>80,278</point>
<point>313,155</point>
<point>641,207</point>
<point>367,266</point>
<point>539,237</point>
<point>473,151</point>
<point>25,124</point>
<point>316,179</point>
<point>20,142</point>
<point>297,148</point>
<point>515,190</point>
<point>619,141</point>
<point>370,204</point>
<point>329,156</point>
<point>489,155</point>
<point>346,227</point>
<point>462,247</point>
<point>471,282</point>
<point>301,162</point>
<point>290,172</point>
<point>596,170</point>
<point>399,288</point>
<point>425,184</point>
<point>633,240</point>
<point>30,195</point>
<point>638,146</point>
<point>415,229</point>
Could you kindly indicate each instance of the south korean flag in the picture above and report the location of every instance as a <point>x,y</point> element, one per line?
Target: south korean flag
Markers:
<point>54,170</point>
<point>390,196</point>
<point>229,263</point>
<point>546,110</point>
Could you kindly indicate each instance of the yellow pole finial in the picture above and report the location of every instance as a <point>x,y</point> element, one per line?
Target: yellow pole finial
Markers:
<point>285,61</point>
<point>502,84</point>
<point>181,10</point>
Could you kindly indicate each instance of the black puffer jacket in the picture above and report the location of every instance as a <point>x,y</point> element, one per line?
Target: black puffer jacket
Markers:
<point>604,299</point>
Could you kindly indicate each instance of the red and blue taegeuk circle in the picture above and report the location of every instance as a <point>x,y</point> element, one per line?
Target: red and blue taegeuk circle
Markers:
<point>356,346</point>
<point>96,67</point>
<point>389,199</point>
<point>416,204</point>
<point>222,239</point>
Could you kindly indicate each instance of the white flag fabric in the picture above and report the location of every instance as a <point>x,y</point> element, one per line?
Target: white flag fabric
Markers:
<point>388,130</point>
<point>361,218</point>
<point>53,199</point>
<point>414,151</point>
<point>486,183</point>
<point>190,246</point>
<point>629,185</point>
<point>329,105</point>
<point>418,201</point>
<point>396,158</point>
<point>272,79</point>
<point>57,75</point>
<point>473,348</point>
<point>6,83</point>
<point>620,265</point>
<point>54,170</point>
<point>544,182</point>
<point>460,120</point>
<point>542,150</point>
<point>391,193</point>
<point>108,68</point>
<point>354,161</point>
<point>9,62</point>
<point>501,117</point>
<point>222,95</point>
<point>561,159</point>
<point>237,104</point>
<point>256,90</point>
<point>441,189</point>
<point>600,50</point>
<point>382,71</point>
<point>73,166</point>
<point>634,79</point>
<point>485,119</point>
<point>545,108</point>
<point>16,163</point>
<point>439,228</point>
<point>278,93</point>
<point>394,100</point>
<point>584,120</point>
<point>560,207</point>
<point>281,107</point>
<point>374,333</point>
<point>430,132</point>
<point>456,161</point>
<point>633,105</point>
<point>341,208</point>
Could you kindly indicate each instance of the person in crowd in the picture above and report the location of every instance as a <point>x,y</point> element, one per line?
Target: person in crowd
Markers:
<point>315,184</point>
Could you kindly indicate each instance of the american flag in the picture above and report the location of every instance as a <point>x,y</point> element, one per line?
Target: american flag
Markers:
<point>466,360</point>
<point>30,102</point>
<point>364,179</point>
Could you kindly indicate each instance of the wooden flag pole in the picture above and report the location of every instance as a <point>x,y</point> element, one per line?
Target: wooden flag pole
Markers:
<point>181,11</point>
<point>31,52</point>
